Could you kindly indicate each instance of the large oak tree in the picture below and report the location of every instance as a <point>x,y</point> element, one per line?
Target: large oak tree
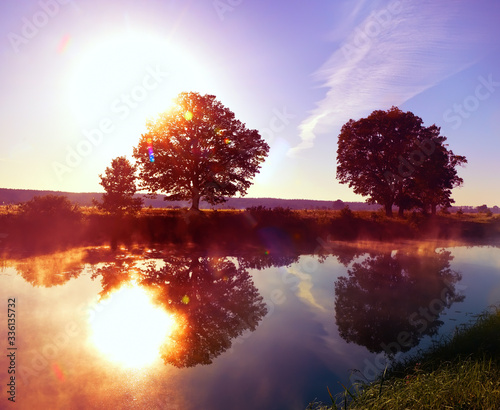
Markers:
<point>393,159</point>
<point>198,150</point>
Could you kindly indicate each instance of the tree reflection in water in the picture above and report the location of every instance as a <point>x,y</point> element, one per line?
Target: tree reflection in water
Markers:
<point>213,299</point>
<point>395,298</point>
<point>50,270</point>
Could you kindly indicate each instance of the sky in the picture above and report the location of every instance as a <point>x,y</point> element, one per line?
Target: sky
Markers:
<point>79,79</point>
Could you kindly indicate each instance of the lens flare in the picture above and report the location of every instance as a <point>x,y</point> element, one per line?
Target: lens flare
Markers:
<point>63,45</point>
<point>188,115</point>
<point>150,150</point>
<point>58,372</point>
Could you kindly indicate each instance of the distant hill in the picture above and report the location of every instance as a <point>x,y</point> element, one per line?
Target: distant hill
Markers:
<point>15,196</point>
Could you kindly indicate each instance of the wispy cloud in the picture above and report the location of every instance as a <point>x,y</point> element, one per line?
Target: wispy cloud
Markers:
<point>398,51</point>
<point>305,288</point>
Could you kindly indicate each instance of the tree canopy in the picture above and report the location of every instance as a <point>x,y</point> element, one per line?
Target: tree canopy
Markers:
<point>119,182</point>
<point>198,150</point>
<point>393,159</point>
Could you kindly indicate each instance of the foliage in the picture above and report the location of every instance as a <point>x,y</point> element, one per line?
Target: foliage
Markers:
<point>46,223</point>
<point>346,213</point>
<point>49,206</point>
<point>199,150</point>
<point>119,182</point>
<point>391,158</point>
<point>482,209</point>
<point>278,211</point>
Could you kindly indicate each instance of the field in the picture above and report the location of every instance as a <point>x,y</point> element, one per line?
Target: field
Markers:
<point>274,229</point>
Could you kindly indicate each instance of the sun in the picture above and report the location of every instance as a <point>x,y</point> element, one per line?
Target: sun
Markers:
<point>128,329</point>
<point>129,75</point>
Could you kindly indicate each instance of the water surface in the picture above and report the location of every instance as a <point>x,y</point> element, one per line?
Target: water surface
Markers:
<point>169,329</point>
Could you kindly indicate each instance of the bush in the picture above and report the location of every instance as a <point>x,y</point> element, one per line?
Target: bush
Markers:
<point>49,206</point>
<point>48,222</point>
<point>416,219</point>
<point>346,213</point>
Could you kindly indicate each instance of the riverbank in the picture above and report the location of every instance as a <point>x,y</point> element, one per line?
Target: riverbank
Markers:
<point>262,228</point>
<point>461,372</point>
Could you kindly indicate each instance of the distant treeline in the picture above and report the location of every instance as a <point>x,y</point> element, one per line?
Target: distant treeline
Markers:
<point>17,196</point>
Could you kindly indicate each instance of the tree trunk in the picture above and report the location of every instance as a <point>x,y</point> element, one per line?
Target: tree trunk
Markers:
<point>401,211</point>
<point>388,210</point>
<point>195,200</point>
<point>433,209</point>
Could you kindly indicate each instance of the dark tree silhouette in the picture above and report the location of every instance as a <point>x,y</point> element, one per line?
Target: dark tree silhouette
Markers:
<point>435,178</point>
<point>390,302</point>
<point>198,150</point>
<point>49,206</point>
<point>213,300</point>
<point>391,158</point>
<point>217,301</point>
<point>482,209</point>
<point>119,182</point>
<point>267,260</point>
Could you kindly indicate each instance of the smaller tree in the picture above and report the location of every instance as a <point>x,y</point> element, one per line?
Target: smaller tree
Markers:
<point>482,209</point>
<point>119,184</point>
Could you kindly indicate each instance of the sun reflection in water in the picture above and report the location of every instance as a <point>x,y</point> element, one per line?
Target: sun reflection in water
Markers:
<point>129,329</point>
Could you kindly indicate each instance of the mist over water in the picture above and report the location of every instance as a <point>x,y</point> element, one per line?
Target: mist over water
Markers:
<point>247,329</point>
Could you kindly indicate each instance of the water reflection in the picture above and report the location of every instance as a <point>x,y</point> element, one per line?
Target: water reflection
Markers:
<point>50,270</point>
<point>209,299</point>
<point>129,329</point>
<point>213,300</point>
<point>389,301</point>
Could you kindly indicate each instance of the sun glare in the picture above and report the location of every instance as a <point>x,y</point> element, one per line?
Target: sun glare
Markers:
<point>131,73</point>
<point>128,329</point>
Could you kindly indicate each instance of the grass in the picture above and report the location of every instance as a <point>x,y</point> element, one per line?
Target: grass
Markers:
<point>272,229</point>
<point>460,372</point>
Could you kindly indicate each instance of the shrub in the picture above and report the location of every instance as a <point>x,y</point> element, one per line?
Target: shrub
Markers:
<point>48,222</point>
<point>346,213</point>
<point>49,206</point>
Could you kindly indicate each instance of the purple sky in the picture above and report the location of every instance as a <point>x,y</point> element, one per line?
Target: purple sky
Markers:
<point>80,78</point>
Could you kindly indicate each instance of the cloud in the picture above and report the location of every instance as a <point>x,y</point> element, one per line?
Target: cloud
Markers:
<point>304,288</point>
<point>396,52</point>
